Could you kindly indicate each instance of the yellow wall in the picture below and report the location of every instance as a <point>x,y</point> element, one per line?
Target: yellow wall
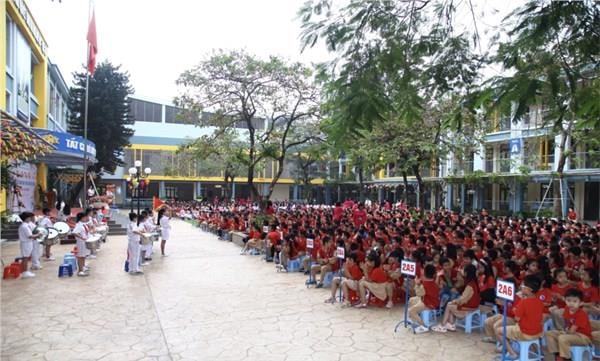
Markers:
<point>3,62</point>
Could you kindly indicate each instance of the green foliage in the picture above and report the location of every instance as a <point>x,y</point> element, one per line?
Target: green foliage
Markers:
<point>275,102</point>
<point>109,113</point>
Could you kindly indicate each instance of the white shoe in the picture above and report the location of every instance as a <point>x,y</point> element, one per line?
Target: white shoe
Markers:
<point>421,329</point>
<point>83,274</point>
<point>27,274</point>
<point>92,256</point>
<point>144,264</point>
<point>36,267</point>
<point>165,255</point>
<point>49,259</point>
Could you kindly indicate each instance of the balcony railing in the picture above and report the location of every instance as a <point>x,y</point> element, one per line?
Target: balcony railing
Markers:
<point>584,160</point>
<point>539,163</point>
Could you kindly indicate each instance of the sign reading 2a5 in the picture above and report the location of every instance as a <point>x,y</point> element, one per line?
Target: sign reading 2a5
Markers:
<point>408,268</point>
<point>505,290</point>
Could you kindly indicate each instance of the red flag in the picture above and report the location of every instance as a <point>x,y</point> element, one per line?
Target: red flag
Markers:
<point>157,203</point>
<point>92,45</point>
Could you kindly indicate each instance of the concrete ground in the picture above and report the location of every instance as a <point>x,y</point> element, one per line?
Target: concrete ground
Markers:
<point>203,302</point>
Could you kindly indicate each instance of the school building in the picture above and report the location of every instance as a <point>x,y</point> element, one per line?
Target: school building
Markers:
<point>35,103</point>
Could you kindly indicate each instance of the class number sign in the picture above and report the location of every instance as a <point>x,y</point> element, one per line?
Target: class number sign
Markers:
<point>341,252</point>
<point>505,290</point>
<point>408,268</point>
<point>310,243</point>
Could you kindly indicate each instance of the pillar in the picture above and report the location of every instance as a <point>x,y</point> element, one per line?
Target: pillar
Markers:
<point>380,195</point>
<point>449,196</point>
<point>198,186</point>
<point>328,194</point>
<point>194,191</point>
<point>564,196</point>
<point>463,197</point>
<point>162,192</point>
<point>295,192</point>
<point>516,197</point>
<point>233,191</point>
<point>42,183</point>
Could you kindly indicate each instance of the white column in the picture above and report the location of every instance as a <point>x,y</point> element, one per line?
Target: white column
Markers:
<point>479,159</point>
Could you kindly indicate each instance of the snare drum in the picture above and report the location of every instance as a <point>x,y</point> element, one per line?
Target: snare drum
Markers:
<point>155,237</point>
<point>62,228</point>
<point>41,232</point>
<point>93,242</point>
<point>52,237</point>
<point>147,238</point>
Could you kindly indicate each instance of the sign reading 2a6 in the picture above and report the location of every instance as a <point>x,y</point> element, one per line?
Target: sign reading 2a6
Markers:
<point>408,268</point>
<point>505,290</point>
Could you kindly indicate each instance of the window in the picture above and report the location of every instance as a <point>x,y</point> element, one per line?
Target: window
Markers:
<point>171,192</point>
<point>144,111</point>
<point>9,44</point>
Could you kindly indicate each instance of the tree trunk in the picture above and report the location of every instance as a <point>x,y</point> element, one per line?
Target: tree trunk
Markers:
<point>557,191</point>
<point>421,189</point>
<point>227,186</point>
<point>405,193</point>
<point>275,177</point>
<point>361,191</point>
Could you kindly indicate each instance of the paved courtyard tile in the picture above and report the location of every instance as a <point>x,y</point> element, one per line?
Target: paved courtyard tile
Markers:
<point>203,302</point>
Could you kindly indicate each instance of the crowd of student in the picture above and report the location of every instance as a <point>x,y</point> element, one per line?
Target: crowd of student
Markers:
<point>553,263</point>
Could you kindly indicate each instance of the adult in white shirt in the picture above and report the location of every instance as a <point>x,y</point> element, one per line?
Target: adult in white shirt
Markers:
<point>46,222</point>
<point>81,233</point>
<point>165,229</point>
<point>134,231</point>
<point>26,241</point>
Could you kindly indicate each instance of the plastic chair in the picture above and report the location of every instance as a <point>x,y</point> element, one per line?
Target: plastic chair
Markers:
<point>64,270</point>
<point>525,352</point>
<point>12,271</point>
<point>328,279</point>
<point>595,351</point>
<point>429,317</point>
<point>548,325</point>
<point>293,265</point>
<point>577,353</point>
<point>70,260</point>
<point>473,320</point>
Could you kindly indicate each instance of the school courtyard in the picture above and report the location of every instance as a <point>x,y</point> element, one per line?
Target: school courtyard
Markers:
<point>203,302</point>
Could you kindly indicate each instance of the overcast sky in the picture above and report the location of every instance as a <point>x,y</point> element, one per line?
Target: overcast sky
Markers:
<point>157,40</point>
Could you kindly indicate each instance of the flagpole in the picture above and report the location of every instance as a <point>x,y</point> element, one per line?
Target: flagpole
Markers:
<point>85,115</point>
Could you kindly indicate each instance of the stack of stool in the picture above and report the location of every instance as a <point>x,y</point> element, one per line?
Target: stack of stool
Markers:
<point>64,270</point>
<point>70,260</point>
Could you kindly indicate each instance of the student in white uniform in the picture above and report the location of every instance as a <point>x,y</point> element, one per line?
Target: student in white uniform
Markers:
<point>81,233</point>
<point>26,241</point>
<point>46,222</point>
<point>165,229</point>
<point>149,227</point>
<point>133,244</point>
<point>36,251</point>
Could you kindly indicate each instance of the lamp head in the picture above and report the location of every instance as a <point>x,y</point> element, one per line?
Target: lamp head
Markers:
<point>138,163</point>
<point>147,170</point>
<point>132,170</point>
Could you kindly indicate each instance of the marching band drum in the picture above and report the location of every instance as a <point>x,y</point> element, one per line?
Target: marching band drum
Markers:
<point>93,242</point>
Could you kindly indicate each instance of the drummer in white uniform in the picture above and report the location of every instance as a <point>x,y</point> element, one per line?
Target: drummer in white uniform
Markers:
<point>36,251</point>
<point>134,231</point>
<point>46,222</point>
<point>27,240</point>
<point>148,227</point>
<point>91,228</point>
<point>81,233</point>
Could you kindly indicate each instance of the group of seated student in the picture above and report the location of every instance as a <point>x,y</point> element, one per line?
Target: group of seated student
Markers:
<point>553,263</point>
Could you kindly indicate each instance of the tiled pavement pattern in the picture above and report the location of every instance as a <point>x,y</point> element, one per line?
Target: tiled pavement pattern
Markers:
<point>203,302</point>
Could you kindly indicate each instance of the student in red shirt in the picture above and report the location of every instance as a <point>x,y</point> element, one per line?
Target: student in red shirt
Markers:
<point>254,239</point>
<point>559,289</point>
<point>589,287</point>
<point>467,302</point>
<point>359,216</point>
<point>375,280</point>
<point>487,281</point>
<point>529,314</point>
<point>274,239</point>
<point>338,212</point>
<point>578,331</point>
<point>427,298</point>
<point>352,274</point>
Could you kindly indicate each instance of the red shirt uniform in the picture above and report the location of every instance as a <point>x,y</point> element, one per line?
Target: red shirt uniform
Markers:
<point>486,283</point>
<point>432,294</point>
<point>359,217</point>
<point>590,294</point>
<point>354,271</point>
<point>474,301</point>
<point>338,212</point>
<point>545,295</point>
<point>579,319</point>
<point>558,290</point>
<point>530,312</point>
<point>274,237</point>
<point>378,275</point>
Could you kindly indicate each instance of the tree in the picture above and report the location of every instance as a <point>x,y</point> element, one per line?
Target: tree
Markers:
<point>309,157</point>
<point>223,153</point>
<point>552,57</point>
<point>273,101</point>
<point>109,115</point>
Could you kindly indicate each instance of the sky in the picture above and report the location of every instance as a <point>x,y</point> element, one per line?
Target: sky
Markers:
<point>155,41</point>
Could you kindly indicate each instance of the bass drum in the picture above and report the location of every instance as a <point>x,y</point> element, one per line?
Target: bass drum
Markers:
<point>62,228</point>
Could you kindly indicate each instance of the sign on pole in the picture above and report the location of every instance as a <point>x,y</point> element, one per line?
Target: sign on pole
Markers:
<point>408,268</point>
<point>310,243</point>
<point>505,290</point>
<point>341,252</point>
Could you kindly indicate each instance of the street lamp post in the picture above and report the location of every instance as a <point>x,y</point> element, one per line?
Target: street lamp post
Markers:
<point>135,174</point>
